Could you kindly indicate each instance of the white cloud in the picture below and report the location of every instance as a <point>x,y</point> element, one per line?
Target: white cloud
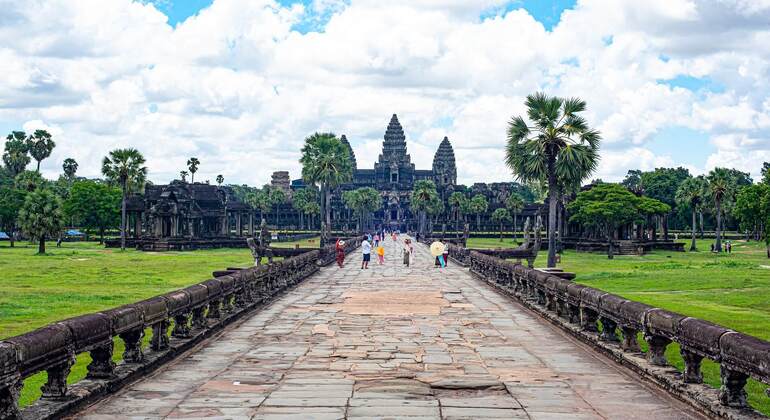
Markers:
<point>236,86</point>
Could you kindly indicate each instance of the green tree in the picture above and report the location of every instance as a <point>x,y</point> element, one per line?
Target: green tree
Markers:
<point>434,209</point>
<point>183,175</point>
<point>766,172</point>
<point>220,179</point>
<point>633,181</point>
<point>691,194</point>
<point>312,209</point>
<point>558,148</point>
<point>501,216</point>
<point>192,165</point>
<point>364,202</point>
<point>455,201</point>
<point>423,195</point>
<point>300,200</point>
<point>40,145</point>
<point>94,205</point>
<point>277,197</point>
<point>70,168</point>
<point>125,167</point>
<point>515,205</point>
<point>30,181</point>
<point>662,184</point>
<point>41,216</point>
<point>478,206</point>
<point>721,188</point>
<point>16,155</point>
<point>752,207</point>
<point>325,162</point>
<point>11,201</point>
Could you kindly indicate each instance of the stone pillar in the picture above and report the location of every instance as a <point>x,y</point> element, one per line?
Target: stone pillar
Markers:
<point>133,343</point>
<point>102,366</point>
<point>56,386</point>
<point>225,225</point>
<point>238,231</point>
<point>692,373</point>
<point>656,354</point>
<point>137,225</point>
<point>251,224</point>
<point>732,392</point>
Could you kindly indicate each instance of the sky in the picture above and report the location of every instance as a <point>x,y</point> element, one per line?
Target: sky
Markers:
<point>240,83</point>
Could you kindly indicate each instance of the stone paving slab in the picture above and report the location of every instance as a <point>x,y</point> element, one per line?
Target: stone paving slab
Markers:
<point>391,342</point>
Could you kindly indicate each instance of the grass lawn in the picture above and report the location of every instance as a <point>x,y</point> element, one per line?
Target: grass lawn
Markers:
<point>732,290</point>
<point>84,277</point>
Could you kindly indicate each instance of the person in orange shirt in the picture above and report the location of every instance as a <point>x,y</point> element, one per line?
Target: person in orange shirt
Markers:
<point>381,254</point>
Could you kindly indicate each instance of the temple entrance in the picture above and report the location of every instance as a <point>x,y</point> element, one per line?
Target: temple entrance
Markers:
<point>394,214</point>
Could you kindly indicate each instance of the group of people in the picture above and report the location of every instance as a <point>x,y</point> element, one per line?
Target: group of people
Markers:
<point>375,244</point>
<point>728,247</point>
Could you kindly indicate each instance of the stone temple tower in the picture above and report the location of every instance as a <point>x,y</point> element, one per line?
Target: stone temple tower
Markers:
<point>444,168</point>
<point>346,143</point>
<point>394,167</point>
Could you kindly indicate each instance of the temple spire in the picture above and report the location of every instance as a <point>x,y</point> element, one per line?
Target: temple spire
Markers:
<point>394,143</point>
<point>345,142</point>
<point>444,167</point>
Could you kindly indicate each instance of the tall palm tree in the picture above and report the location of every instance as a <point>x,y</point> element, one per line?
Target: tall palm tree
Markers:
<point>720,187</point>
<point>479,206</point>
<point>423,195</point>
<point>558,148</point>
<point>277,197</point>
<point>500,216</point>
<point>326,162</point>
<point>691,193</point>
<point>70,168</point>
<point>125,168</point>
<point>514,204</point>
<point>16,157</point>
<point>192,165</point>
<point>40,146</point>
<point>455,202</point>
<point>41,216</point>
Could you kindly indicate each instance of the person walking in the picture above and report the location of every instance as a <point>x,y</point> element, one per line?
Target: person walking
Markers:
<point>446,253</point>
<point>366,250</point>
<point>340,247</point>
<point>381,254</point>
<point>376,240</point>
<point>407,252</point>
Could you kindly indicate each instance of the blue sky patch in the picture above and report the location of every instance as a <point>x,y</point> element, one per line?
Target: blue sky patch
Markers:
<point>178,11</point>
<point>547,12</point>
<point>695,84</point>
<point>684,145</point>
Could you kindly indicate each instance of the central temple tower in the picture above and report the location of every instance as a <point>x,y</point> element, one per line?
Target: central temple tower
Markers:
<point>394,169</point>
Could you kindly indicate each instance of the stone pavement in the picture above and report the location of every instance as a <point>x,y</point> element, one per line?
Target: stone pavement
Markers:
<point>391,342</point>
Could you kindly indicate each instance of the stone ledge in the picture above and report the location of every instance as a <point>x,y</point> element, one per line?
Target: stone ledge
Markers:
<point>701,397</point>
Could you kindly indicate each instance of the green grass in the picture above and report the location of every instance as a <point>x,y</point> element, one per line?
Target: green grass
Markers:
<point>732,290</point>
<point>84,277</point>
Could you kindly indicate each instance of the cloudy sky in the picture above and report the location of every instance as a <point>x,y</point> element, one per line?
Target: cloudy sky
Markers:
<point>241,83</point>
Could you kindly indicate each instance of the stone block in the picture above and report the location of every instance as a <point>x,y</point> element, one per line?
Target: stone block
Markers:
<point>9,364</point>
<point>177,302</point>
<point>89,331</point>
<point>609,306</point>
<point>663,323</point>
<point>42,348</point>
<point>214,288</point>
<point>125,318</point>
<point>701,337</point>
<point>632,314</point>
<point>198,295</point>
<point>590,298</point>
<point>746,354</point>
<point>573,293</point>
<point>153,310</point>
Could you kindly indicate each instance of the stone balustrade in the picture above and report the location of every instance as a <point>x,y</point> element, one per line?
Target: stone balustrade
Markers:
<point>196,312</point>
<point>614,323</point>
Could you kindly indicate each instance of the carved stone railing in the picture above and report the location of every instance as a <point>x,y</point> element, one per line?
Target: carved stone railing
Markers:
<point>612,323</point>
<point>196,312</point>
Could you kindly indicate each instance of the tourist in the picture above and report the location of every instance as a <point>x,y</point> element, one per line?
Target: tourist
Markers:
<point>446,253</point>
<point>376,239</point>
<point>366,249</point>
<point>407,251</point>
<point>381,254</point>
<point>712,247</point>
<point>340,247</point>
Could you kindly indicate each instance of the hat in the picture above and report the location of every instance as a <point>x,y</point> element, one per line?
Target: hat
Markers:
<point>342,243</point>
<point>436,248</point>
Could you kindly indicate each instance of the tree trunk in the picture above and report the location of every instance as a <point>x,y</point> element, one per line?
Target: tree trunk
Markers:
<point>665,227</point>
<point>478,222</point>
<point>123,219</point>
<point>514,227</point>
<point>457,223</point>
<point>700,216</point>
<point>101,236</point>
<point>38,171</point>
<point>41,245</point>
<point>501,231</point>
<point>718,245</point>
<point>692,243</point>
<point>609,242</point>
<point>11,235</point>
<point>553,195</point>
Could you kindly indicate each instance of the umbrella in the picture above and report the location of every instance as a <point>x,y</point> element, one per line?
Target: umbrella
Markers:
<point>436,248</point>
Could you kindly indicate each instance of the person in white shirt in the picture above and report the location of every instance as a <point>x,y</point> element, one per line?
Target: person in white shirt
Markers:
<point>366,248</point>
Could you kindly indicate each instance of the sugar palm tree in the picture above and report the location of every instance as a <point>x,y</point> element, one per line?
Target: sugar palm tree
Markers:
<point>276,198</point>
<point>557,147</point>
<point>423,196</point>
<point>192,165</point>
<point>41,216</point>
<point>479,206</point>
<point>515,205</point>
<point>691,193</point>
<point>325,162</point>
<point>501,216</point>
<point>70,168</point>
<point>183,175</point>
<point>16,155</point>
<point>220,179</point>
<point>455,202</point>
<point>125,167</point>
<point>720,187</point>
<point>40,146</point>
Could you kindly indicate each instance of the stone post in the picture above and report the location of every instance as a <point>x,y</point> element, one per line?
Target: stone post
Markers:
<point>181,326</point>
<point>692,373</point>
<point>238,226</point>
<point>159,339</point>
<point>133,343</point>
<point>102,366</point>
<point>56,386</point>
<point>732,392</point>
<point>656,354</point>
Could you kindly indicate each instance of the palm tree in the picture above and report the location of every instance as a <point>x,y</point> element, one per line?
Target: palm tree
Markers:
<point>16,157</point>
<point>276,197</point>
<point>40,146</point>
<point>70,167</point>
<point>558,148</point>
<point>455,202</point>
<point>691,193</point>
<point>325,161</point>
<point>423,195</point>
<point>183,175</point>
<point>192,165</point>
<point>220,179</point>
<point>479,206</point>
<point>501,216</point>
<point>720,187</point>
<point>515,205</point>
<point>41,216</point>
<point>125,168</point>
